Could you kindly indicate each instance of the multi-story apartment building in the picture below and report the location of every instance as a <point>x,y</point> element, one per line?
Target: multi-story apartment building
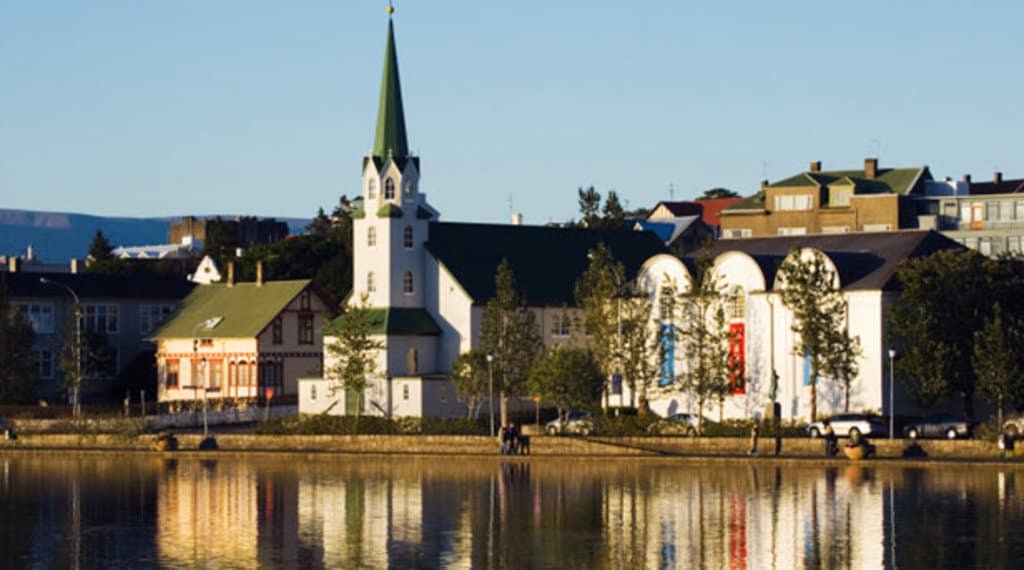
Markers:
<point>986,216</point>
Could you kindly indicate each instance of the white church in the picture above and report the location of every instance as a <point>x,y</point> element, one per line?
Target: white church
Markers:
<point>427,282</point>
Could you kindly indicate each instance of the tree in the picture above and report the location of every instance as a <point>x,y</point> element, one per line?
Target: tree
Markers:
<point>221,241</point>
<point>811,294</point>
<point>508,331</point>
<point>999,360</point>
<point>589,201</point>
<point>568,377</point>
<point>100,248</point>
<point>614,215</point>
<point>597,287</point>
<point>704,338</point>
<point>841,364</point>
<point>18,373</point>
<point>471,376</point>
<point>354,349</point>
<point>321,224</point>
<point>638,346</point>
<point>716,193</point>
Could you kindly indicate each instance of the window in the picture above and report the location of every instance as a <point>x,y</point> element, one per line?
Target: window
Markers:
<point>412,362</point>
<point>305,329</point>
<point>799,202</point>
<point>561,325</point>
<point>99,318</point>
<point>244,374</point>
<point>835,229</point>
<point>1013,244</point>
<point>44,364</point>
<point>150,316</point>
<point>389,189</point>
<point>277,331</point>
<point>877,227</point>
<point>312,391</point>
<point>1006,211</point>
<point>371,189</point>
<point>738,233</point>
<point>405,391</point>
<point>304,300</point>
<point>985,245</point>
<point>1020,210</point>
<point>371,236</point>
<point>216,373</point>
<point>407,283</point>
<point>991,211</point>
<point>39,315</point>
<point>371,282</point>
<point>737,304</point>
<point>840,197</point>
<point>408,188</point>
<point>407,237</point>
<point>171,372</point>
<point>792,231</point>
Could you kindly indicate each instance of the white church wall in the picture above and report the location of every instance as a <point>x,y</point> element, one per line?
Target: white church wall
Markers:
<point>398,355</point>
<point>453,310</point>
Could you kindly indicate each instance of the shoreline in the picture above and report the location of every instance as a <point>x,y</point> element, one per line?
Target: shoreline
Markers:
<point>793,450</point>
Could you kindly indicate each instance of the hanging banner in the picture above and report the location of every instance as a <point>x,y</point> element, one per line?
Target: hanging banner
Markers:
<point>616,384</point>
<point>737,363</point>
<point>667,342</point>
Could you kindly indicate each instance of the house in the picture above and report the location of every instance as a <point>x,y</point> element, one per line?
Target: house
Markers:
<point>238,340</point>
<point>985,216</point>
<point>679,225</point>
<point>829,202</point>
<point>864,265</point>
<point>428,281</point>
<point>119,312</point>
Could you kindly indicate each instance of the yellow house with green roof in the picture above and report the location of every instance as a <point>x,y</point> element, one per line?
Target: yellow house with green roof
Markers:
<point>239,340</point>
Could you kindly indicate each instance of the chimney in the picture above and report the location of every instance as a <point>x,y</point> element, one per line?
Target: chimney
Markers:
<point>76,266</point>
<point>997,178</point>
<point>764,183</point>
<point>967,178</point>
<point>259,273</point>
<point>517,219</point>
<point>870,168</point>
<point>816,166</point>
<point>14,264</point>
<point>231,274</point>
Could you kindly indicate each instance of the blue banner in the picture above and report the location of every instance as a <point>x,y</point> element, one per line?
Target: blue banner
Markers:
<point>667,340</point>
<point>616,384</point>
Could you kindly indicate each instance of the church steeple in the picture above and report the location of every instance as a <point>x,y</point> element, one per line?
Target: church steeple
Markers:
<point>391,138</point>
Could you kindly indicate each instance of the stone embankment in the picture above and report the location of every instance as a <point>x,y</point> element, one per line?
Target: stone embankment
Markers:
<point>793,448</point>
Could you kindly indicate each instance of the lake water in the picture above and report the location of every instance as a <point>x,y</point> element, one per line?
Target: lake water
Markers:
<point>104,511</point>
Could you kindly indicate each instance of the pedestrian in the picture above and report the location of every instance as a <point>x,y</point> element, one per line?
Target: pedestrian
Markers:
<point>754,432</point>
<point>502,438</point>
<point>830,440</point>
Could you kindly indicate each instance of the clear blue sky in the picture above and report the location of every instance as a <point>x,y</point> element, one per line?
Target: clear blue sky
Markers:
<point>266,107</point>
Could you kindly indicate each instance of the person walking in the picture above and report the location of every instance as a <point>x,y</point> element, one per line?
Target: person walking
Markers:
<point>754,432</point>
<point>830,440</point>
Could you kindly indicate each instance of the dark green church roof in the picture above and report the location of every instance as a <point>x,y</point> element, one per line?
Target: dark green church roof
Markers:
<point>395,321</point>
<point>546,262</point>
<point>391,138</point>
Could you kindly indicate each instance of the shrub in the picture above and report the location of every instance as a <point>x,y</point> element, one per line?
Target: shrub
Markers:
<point>623,426</point>
<point>321,424</point>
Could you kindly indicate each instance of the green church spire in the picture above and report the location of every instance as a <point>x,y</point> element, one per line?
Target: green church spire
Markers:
<point>391,135</point>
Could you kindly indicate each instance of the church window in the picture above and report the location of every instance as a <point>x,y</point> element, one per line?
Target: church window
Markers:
<point>371,236</point>
<point>412,362</point>
<point>389,189</point>
<point>561,325</point>
<point>371,282</point>
<point>371,189</point>
<point>407,237</point>
<point>408,188</point>
<point>405,391</point>
<point>407,283</point>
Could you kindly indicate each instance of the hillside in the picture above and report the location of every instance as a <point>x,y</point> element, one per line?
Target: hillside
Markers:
<point>57,237</point>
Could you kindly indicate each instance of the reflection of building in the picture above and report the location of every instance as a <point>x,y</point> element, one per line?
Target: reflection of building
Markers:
<point>207,512</point>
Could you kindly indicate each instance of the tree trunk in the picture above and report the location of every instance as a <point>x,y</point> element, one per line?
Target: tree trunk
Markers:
<point>504,407</point>
<point>1000,415</point>
<point>814,394</point>
<point>846,390</point>
<point>700,416</point>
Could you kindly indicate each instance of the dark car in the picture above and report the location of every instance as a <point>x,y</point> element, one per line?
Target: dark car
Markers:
<point>939,426</point>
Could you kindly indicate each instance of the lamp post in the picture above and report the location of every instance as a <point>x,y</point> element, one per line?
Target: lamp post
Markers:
<point>490,389</point>
<point>892,376</point>
<point>207,324</point>
<point>76,312</point>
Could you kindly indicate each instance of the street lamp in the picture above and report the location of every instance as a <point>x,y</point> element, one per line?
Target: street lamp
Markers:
<point>76,409</point>
<point>892,376</point>
<point>207,324</point>
<point>490,389</point>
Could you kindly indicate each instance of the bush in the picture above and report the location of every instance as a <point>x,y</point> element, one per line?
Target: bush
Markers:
<point>987,431</point>
<point>623,425</point>
<point>321,424</point>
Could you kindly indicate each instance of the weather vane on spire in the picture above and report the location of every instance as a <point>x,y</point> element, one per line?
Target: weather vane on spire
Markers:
<point>391,8</point>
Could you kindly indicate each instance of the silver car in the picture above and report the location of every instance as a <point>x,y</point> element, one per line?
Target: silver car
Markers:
<point>576,422</point>
<point>845,425</point>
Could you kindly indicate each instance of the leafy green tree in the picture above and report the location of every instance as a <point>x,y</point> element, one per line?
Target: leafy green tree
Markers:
<point>471,378</point>
<point>353,350</point>
<point>568,377</point>
<point>945,299</point>
<point>703,337</point>
<point>597,292</point>
<point>321,224</point>
<point>841,364</point>
<point>18,373</point>
<point>614,215</point>
<point>589,201</point>
<point>812,295</point>
<point>508,331</point>
<point>999,360</point>
<point>716,193</point>
<point>638,347</point>
<point>221,241</point>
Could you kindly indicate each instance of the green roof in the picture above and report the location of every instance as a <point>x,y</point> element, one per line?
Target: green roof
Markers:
<point>391,139</point>
<point>755,202</point>
<point>546,261</point>
<point>246,309</point>
<point>395,321</point>
<point>898,180</point>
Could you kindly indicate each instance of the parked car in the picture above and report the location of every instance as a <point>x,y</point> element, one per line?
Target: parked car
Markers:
<point>939,425</point>
<point>1013,426</point>
<point>677,424</point>
<point>845,425</point>
<point>575,422</point>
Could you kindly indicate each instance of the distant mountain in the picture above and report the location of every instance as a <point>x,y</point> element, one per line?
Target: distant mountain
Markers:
<point>57,237</point>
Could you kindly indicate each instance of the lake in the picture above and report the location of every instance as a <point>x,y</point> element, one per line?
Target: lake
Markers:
<point>336,511</point>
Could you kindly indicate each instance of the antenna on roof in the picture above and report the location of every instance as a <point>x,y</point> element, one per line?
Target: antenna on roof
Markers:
<point>878,147</point>
<point>671,192</point>
<point>511,204</point>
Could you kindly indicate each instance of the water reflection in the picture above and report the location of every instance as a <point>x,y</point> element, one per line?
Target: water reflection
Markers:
<point>359,512</point>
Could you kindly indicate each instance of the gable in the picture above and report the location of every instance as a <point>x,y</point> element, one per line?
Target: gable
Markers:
<point>245,309</point>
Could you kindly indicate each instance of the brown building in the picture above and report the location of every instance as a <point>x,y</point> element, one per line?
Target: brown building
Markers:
<point>249,230</point>
<point>829,202</point>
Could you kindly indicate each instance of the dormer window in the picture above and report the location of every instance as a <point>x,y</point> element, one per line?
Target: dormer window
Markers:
<point>798,202</point>
<point>371,189</point>
<point>389,189</point>
<point>840,197</point>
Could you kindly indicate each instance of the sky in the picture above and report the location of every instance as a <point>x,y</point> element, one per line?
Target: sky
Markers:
<point>265,107</point>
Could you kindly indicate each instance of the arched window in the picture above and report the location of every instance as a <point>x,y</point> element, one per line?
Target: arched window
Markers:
<point>371,236</point>
<point>407,283</point>
<point>407,237</point>
<point>737,304</point>
<point>412,361</point>
<point>371,189</point>
<point>408,187</point>
<point>371,282</point>
<point>389,189</point>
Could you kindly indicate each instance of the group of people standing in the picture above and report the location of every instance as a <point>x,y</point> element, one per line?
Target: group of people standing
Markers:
<point>512,441</point>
